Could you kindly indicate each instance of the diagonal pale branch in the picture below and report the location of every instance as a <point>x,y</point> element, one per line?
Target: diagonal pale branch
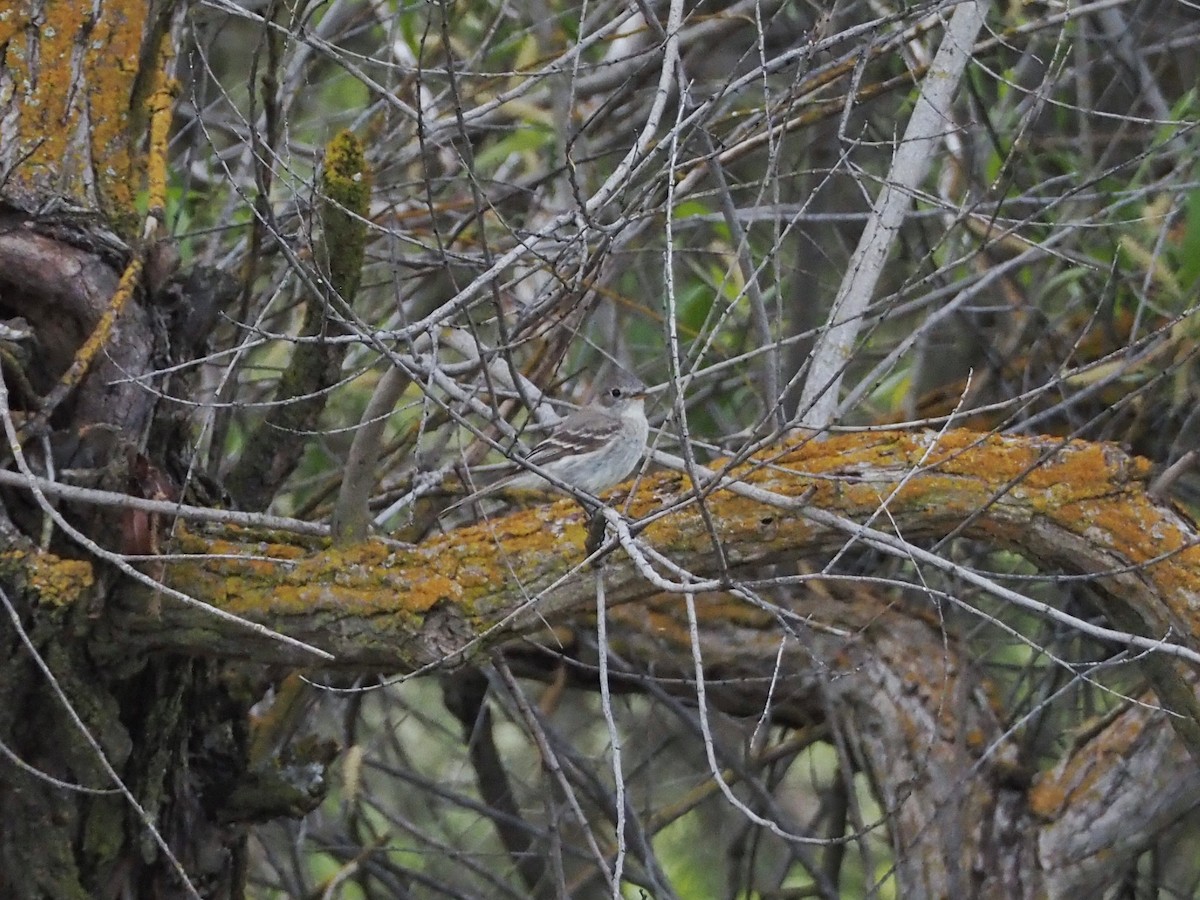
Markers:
<point>929,122</point>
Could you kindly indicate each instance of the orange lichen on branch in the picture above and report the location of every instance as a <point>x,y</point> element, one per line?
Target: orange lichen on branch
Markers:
<point>1090,766</point>
<point>111,68</point>
<point>49,579</point>
<point>1033,476</point>
<point>74,71</point>
<point>160,105</point>
<point>1078,506</point>
<point>363,579</point>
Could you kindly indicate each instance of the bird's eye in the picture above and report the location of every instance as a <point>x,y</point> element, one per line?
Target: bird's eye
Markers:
<point>616,393</point>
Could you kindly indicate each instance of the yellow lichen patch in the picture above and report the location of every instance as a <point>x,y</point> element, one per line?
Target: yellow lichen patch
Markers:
<point>263,566</point>
<point>345,174</point>
<point>159,106</point>
<point>1046,798</point>
<point>238,542</point>
<point>48,122</point>
<point>346,186</point>
<point>550,530</point>
<point>1083,770</point>
<point>368,553</point>
<point>821,457</point>
<point>1113,525</point>
<point>80,91</point>
<point>61,581</point>
<point>52,580</point>
<point>356,560</point>
<point>428,592</point>
<point>1073,471</point>
<point>112,60</point>
<point>74,125</point>
<point>13,22</point>
<point>1039,464</point>
<point>1142,536</point>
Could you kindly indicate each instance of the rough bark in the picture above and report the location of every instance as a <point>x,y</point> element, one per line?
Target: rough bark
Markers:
<point>80,88</point>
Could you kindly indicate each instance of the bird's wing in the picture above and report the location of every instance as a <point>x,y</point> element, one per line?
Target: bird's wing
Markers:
<point>577,433</point>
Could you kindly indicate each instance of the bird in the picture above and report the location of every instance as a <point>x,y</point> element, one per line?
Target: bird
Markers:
<point>592,449</point>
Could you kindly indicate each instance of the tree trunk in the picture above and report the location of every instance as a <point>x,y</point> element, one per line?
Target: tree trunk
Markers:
<point>111,757</point>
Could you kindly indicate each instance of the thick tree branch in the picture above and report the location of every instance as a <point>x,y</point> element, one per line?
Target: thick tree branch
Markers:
<point>1109,797</point>
<point>1073,507</point>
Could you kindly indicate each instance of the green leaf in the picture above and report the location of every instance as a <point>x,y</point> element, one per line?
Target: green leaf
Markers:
<point>525,138</point>
<point>1188,251</point>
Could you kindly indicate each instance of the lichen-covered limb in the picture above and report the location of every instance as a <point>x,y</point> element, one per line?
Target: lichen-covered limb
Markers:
<point>1076,507</point>
<point>278,442</point>
<point>77,104</point>
<point>1108,797</point>
<point>910,709</point>
<point>901,703</point>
